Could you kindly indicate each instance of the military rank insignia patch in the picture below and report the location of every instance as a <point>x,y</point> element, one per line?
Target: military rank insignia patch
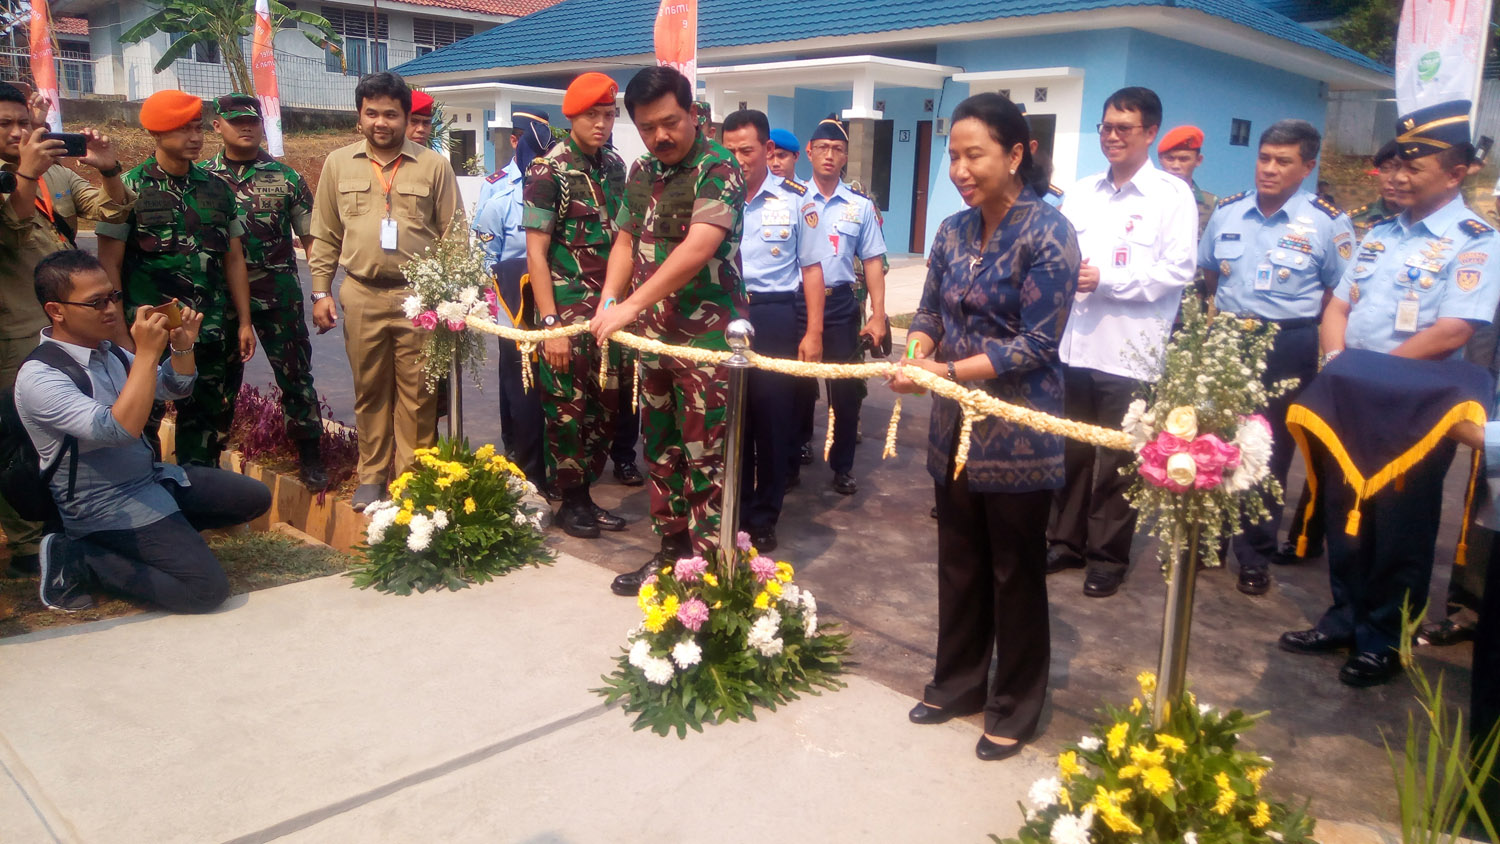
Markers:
<point>1467,279</point>
<point>812,219</point>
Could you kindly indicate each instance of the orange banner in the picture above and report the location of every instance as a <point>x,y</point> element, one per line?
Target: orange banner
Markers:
<point>263,66</point>
<point>43,62</point>
<point>677,37</point>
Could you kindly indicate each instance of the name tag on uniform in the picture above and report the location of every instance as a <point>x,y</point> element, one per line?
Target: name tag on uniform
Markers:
<point>1263,277</point>
<point>1406,316</point>
<point>1122,256</point>
<point>388,234</point>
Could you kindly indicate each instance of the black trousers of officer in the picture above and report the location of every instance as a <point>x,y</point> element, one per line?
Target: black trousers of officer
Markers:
<point>841,327</point>
<point>627,423</point>
<point>1390,561</point>
<point>1294,354</point>
<point>770,442</point>
<point>521,422</point>
<point>1091,520</point>
<point>992,604</point>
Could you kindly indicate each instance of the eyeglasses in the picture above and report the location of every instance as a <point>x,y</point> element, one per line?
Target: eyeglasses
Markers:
<point>825,149</point>
<point>1121,129</point>
<point>99,303</point>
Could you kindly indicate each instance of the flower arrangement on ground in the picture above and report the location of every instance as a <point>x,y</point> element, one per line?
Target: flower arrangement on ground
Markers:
<point>457,517</point>
<point>1187,781</point>
<point>450,281</point>
<point>712,646</point>
<point>1201,442</point>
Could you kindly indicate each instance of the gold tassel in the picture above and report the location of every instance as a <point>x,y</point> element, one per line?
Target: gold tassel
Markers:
<point>828,440</point>
<point>890,432</point>
<point>527,350</point>
<point>962,457</point>
<point>1351,526</point>
<point>635,390</point>
<point>603,364</point>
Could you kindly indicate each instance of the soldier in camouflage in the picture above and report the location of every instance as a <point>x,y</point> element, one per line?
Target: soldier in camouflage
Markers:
<point>573,194</point>
<point>681,225</point>
<point>1387,205</point>
<point>276,203</point>
<point>182,241</point>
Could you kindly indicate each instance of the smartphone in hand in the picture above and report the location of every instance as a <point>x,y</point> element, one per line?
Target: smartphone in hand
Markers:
<point>74,144</point>
<point>173,312</point>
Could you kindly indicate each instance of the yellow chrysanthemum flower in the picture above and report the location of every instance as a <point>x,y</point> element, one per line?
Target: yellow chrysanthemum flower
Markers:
<point>1115,738</point>
<point>485,452</point>
<point>1135,706</point>
<point>711,579</point>
<point>1147,680</point>
<point>666,570</point>
<point>424,452</point>
<point>773,588</point>
<point>670,605</point>
<point>1067,764</point>
<point>408,503</point>
<point>1108,805</point>
<point>469,505</point>
<point>1147,758</point>
<point>656,620</point>
<point>432,508</point>
<point>1221,779</point>
<point>1255,775</point>
<point>784,572</point>
<point>762,601</point>
<point>1225,804</point>
<point>403,517</point>
<point>444,482</point>
<point>1167,741</point>
<point>645,595</point>
<point>1158,781</point>
<point>1262,815</point>
<point>1128,772</point>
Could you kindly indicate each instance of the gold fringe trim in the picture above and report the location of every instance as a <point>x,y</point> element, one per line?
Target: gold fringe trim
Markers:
<point>964,432</point>
<point>828,440</point>
<point>890,432</point>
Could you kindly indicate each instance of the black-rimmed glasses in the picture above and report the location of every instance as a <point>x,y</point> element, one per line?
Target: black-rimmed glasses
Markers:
<point>99,303</point>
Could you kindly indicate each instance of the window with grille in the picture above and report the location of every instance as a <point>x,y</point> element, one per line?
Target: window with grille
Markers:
<point>433,34</point>
<point>364,41</point>
<point>206,52</point>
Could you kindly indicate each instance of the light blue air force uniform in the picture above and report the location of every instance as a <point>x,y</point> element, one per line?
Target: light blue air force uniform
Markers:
<point>1405,276</point>
<point>778,242</point>
<point>1277,267</point>
<point>847,223</point>
<point>497,220</point>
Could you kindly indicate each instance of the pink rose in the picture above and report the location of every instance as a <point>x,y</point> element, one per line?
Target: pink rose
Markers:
<point>456,325</point>
<point>426,320</point>
<point>493,301</point>
<point>1213,454</point>
<point>1170,444</point>
<point>1208,478</point>
<point>1155,472</point>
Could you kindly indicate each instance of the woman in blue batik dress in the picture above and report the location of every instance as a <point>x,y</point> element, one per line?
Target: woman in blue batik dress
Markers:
<point>1000,281</point>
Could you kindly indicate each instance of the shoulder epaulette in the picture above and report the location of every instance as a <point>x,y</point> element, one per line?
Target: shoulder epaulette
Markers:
<point>1327,207</point>
<point>855,189</point>
<point>495,176</point>
<point>1474,228</point>
<point>1054,190</point>
<point>1229,199</point>
<point>794,186</point>
<point>1360,210</point>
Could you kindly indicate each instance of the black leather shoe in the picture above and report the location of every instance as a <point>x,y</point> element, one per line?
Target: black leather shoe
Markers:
<point>578,521</point>
<point>1443,633</point>
<point>843,484</point>
<point>805,455</point>
<point>1059,558</point>
<point>1254,581</point>
<point>989,751</point>
<point>924,714</point>
<point>1102,583</point>
<point>551,493</point>
<point>628,475</point>
<point>1313,642</point>
<point>763,540</point>
<point>629,584</point>
<point>605,520</point>
<point>1370,669</point>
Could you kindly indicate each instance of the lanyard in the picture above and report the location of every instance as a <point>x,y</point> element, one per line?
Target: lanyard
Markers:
<point>386,185</point>
<point>44,201</point>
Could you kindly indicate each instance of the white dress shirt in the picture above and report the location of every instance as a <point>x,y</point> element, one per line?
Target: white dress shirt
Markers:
<point>1143,239</point>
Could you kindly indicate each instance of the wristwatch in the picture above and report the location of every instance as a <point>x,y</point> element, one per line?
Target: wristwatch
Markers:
<point>550,321</point>
<point>113,171</point>
<point>320,295</point>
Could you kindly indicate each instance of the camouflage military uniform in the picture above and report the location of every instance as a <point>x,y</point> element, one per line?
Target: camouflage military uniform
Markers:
<point>1367,216</point>
<point>1207,202</point>
<point>575,199</point>
<point>175,242</point>
<point>276,204</point>
<point>684,401</point>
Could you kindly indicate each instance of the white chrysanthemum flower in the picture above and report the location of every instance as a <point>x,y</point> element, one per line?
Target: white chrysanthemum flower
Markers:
<point>1073,829</point>
<point>773,618</point>
<point>1190,837</point>
<point>687,653</point>
<point>1090,743</point>
<point>440,519</point>
<point>411,306</point>
<point>1204,709</point>
<point>1135,424</point>
<point>640,651</point>
<point>762,631</point>
<point>791,595</point>
<point>771,648</point>
<point>809,603</point>
<point>1044,792</point>
<point>468,296</point>
<point>810,625</point>
<point>447,311</point>
<point>658,671</point>
<point>421,533</point>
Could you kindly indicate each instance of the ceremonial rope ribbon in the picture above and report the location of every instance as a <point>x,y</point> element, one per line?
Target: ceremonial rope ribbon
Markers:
<point>975,403</point>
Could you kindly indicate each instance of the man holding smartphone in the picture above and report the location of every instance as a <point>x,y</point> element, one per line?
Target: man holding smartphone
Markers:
<point>37,218</point>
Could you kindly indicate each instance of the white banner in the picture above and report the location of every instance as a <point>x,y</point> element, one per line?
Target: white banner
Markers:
<point>263,66</point>
<point>1440,52</point>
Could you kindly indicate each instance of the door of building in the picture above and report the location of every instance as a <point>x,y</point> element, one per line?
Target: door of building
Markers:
<point>461,148</point>
<point>920,174</point>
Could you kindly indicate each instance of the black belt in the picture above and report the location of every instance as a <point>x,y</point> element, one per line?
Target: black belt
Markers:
<point>383,282</point>
<point>773,298</point>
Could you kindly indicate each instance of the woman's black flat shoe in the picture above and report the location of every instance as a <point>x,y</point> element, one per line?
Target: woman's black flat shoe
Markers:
<point>924,714</point>
<point>989,751</point>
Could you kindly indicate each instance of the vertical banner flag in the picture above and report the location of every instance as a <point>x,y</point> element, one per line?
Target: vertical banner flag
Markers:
<point>263,64</point>
<point>1440,52</point>
<point>677,37</point>
<point>43,62</point>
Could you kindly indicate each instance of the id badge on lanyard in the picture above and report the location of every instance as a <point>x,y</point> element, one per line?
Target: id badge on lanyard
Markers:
<point>387,223</point>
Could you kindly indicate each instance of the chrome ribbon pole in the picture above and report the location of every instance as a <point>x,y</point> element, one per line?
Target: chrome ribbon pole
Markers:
<point>455,400</point>
<point>740,335</point>
<point>1177,622</point>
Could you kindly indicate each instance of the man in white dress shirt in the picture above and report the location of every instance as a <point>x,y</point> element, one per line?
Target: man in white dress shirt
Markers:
<point>1137,228</point>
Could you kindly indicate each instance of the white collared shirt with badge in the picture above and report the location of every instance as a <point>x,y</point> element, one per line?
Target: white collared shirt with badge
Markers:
<point>1276,267</point>
<point>1143,239</point>
<point>778,242</point>
<point>847,221</point>
<point>1405,276</point>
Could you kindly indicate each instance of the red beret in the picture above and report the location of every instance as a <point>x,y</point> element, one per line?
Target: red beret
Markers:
<point>1189,137</point>
<point>164,111</point>
<point>590,89</point>
<point>421,103</point>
